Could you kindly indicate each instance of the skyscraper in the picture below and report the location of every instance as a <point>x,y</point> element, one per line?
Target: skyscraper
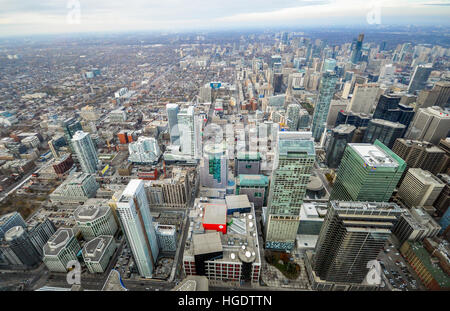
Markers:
<point>85,151</point>
<point>292,170</point>
<point>390,109</point>
<point>385,131</point>
<point>214,166</point>
<point>292,116</point>
<point>419,78</point>
<point>352,234</point>
<point>322,104</point>
<point>134,212</point>
<point>430,124</point>
<point>172,116</point>
<point>364,97</point>
<point>186,127</point>
<point>356,49</point>
<point>329,64</point>
<point>367,173</point>
<point>340,137</point>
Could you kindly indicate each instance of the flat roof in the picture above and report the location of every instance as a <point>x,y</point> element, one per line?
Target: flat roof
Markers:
<point>425,176</point>
<point>373,155</point>
<point>207,243</point>
<point>58,241</point>
<point>248,155</point>
<point>237,201</point>
<point>253,180</point>
<point>295,142</point>
<point>214,213</point>
<point>90,212</point>
<point>95,248</point>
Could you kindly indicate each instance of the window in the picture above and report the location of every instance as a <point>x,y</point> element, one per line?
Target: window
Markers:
<point>248,166</point>
<point>258,194</point>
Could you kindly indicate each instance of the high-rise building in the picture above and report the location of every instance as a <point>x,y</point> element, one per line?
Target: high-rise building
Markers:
<point>442,202</point>
<point>363,98</point>
<point>335,107</point>
<point>419,78</point>
<point>322,103</point>
<point>94,220</point>
<point>385,131</point>
<point>390,109</point>
<point>144,151</point>
<point>186,129</point>
<point>167,237</point>
<point>214,166</point>
<point>429,124</point>
<point>136,220</point>
<point>414,225</point>
<point>442,89</point>
<point>292,116</point>
<point>70,127</point>
<point>19,242</point>
<point>172,116</point>
<point>356,119</point>
<point>85,151</point>
<point>420,154</point>
<point>340,137</point>
<point>367,173</point>
<point>247,162</point>
<point>356,49</point>
<point>10,220</point>
<point>41,233</point>
<point>353,233</point>
<point>75,190</point>
<point>420,188</point>
<point>444,165</point>
<point>255,187</point>
<point>292,170</point>
<point>60,249</point>
<point>98,252</point>
<point>329,64</point>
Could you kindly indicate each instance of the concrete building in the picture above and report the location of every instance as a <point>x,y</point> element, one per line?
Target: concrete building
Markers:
<point>367,173</point>
<point>385,131</point>
<point>172,116</point>
<point>247,163</point>
<point>356,119</point>
<point>186,127</point>
<point>429,124</point>
<point>255,187</point>
<point>137,225</point>
<point>85,151</point>
<point>97,253</point>
<point>419,78</point>
<point>364,97</point>
<point>40,233</point>
<point>335,107</point>
<point>353,233</point>
<point>75,190</point>
<point>340,137</point>
<point>419,154</point>
<point>118,116</point>
<point>415,225</point>
<point>144,151</point>
<point>95,219</point>
<point>292,169</point>
<point>292,116</point>
<point>420,188</point>
<point>442,202</point>
<point>60,249</point>
<point>18,240</point>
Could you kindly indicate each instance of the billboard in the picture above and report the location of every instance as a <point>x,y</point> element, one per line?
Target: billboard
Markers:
<point>215,85</point>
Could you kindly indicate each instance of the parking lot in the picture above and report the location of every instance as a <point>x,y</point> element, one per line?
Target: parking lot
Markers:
<point>398,275</point>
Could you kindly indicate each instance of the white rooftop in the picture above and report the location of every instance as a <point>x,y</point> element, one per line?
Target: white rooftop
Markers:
<point>374,155</point>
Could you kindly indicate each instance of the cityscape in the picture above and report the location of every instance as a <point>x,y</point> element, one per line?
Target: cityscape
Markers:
<point>288,159</point>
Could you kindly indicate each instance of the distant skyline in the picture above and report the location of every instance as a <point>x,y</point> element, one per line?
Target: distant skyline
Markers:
<point>28,17</point>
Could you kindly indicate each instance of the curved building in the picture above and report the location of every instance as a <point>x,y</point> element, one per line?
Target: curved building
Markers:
<point>95,220</point>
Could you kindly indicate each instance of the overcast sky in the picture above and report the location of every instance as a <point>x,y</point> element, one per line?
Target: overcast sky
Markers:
<point>24,17</point>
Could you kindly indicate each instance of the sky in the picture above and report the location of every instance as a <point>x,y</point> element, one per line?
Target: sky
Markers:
<point>28,17</point>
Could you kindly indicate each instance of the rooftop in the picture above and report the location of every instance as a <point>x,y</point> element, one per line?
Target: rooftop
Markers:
<point>207,243</point>
<point>90,212</point>
<point>237,201</point>
<point>425,177</point>
<point>253,180</point>
<point>214,213</point>
<point>373,155</point>
<point>248,155</point>
<point>298,142</point>
<point>95,249</point>
<point>58,241</point>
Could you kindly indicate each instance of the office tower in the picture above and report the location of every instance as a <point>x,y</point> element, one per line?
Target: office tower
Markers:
<point>144,151</point>
<point>420,188</point>
<point>367,173</point>
<point>292,116</point>
<point>426,98</point>
<point>390,109</point>
<point>98,252</point>
<point>322,103</point>
<point>75,190</point>
<point>303,120</point>
<point>442,89</point>
<point>214,166</point>
<point>172,116</point>
<point>340,137</point>
<point>385,131</point>
<point>255,187</point>
<point>356,49</point>
<point>429,124</point>
<point>415,225</point>
<point>167,237</point>
<point>275,59</point>
<point>247,162</point>
<point>363,98</point>
<point>70,127</point>
<point>55,144</point>
<point>18,240</point>
<point>40,234</point>
<point>60,249</point>
<point>10,220</point>
<point>186,127</point>
<point>329,64</point>
<point>353,233</point>
<point>134,212</point>
<point>290,176</point>
<point>335,107</point>
<point>444,165</point>
<point>419,78</point>
<point>356,119</point>
<point>442,202</point>
<point>387,73</point>
<point>94,220</point>
<point>85,151</point>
